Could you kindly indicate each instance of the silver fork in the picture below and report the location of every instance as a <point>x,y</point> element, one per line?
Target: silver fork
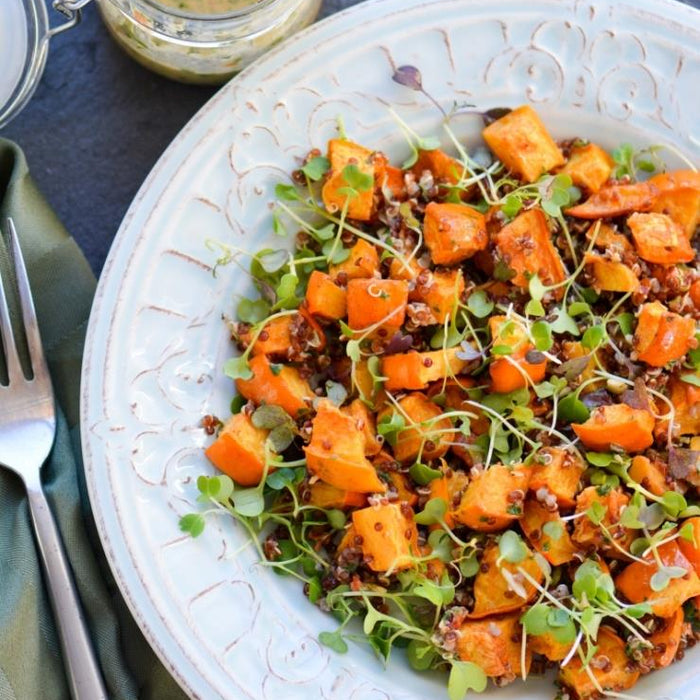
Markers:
<point>27,430</point>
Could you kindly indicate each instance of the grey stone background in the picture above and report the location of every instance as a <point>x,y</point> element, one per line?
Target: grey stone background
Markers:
<point>98,123</point>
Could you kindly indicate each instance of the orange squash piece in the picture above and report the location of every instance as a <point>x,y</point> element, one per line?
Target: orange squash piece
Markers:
<point>630,429</point>
<point>557,549</point>
<point>275,338</point>
<point>650,475</point>
<point>440,292</point>
<point>323,495</point>
<point>443,167</point>
<point>512,372</point>
<point>667,639</point>
<point>588,167</point>
<point>415,370</point>
<point>608,239</point>
<point>389,538</point>
<point>679,198</point>
<point>493,645</point>
<point>691,550</point>
<point>659,239</point>
<point>399,271</point>
<point>450,488</point>
<point>404,488</point>
<point>431,440</point>
<point>342,153</point>
<point>493,594</point>
<point>635,582</point>
<point>324,298</point>
<point>525,245</point>
<point>239,450</point>
<point>587,534</point>
<point>522,143</point>
<point>373,301</point>
<point>615,200</point>
<point>493,498</point>
<point>549,646</point>
<point>336,453</point>
<point>362,263</point>
<point>616,675</point>
<point>559,471</point>
<point>685,398</point>
<point>284,387</point>
<point>661,335</point>
<point>388,178</point>
<point>364,421</point>
<point>610,276</point>
<point>453,232</point>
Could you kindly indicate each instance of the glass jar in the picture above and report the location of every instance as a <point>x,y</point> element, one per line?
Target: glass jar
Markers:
<point>203,41</point>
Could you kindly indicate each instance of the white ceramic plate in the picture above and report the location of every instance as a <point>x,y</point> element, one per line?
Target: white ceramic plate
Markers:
<point>224,626</point>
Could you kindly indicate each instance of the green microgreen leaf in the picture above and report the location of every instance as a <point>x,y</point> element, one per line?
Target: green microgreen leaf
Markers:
<point>573,410</point>
<point>316,168</point>
<point>542,335</point>
<point>691,379</point>
<point>432,513</point>
<point>593,337</point>
<point>422,474</point>
<point>512,548</point>
<point>248,502</point>
<point>564,323</point>
<point>534,307</point>
<point>673,503</point>
<point>553,529</point>
<point>465,676</point>
<point>480,304</point>
<point>336,392</point>
<point>576,308</point>
<point>511,206</point>
<point>238,368</point>
<point>421,655</point>
<point>288,193</point>
<point>352,350</point>
<point>536,288</point>
<point>356,179</point>
<point>250,311</point>
<point>390,426</point>
<point>596,512</point>
<point>193,524</point>
<point>333,640</point>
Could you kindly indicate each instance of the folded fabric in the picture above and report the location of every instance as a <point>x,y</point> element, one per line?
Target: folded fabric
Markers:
<point>31,667</point>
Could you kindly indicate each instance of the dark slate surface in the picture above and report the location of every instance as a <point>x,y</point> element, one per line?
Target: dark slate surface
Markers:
<point>96,126</point>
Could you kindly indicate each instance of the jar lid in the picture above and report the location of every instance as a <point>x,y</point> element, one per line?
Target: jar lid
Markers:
<point>24,44</point>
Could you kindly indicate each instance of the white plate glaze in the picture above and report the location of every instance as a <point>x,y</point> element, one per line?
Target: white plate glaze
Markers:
<point>224,626</point>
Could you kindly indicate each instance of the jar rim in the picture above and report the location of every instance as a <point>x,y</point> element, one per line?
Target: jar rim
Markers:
<point>194,17</point>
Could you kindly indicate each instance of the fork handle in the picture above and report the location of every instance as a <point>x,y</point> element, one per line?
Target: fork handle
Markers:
<point>82,669</point>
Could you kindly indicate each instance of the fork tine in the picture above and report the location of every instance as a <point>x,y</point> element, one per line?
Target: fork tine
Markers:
<point>31,326</point>
<point>7,339</point>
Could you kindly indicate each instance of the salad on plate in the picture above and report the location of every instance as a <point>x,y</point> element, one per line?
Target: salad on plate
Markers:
<point>468,404</point>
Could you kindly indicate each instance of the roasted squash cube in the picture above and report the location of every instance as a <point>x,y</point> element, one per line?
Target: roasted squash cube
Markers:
<point>630,429</point>
<point>494,498</point>
<point>323,495</point>
<point>363,263</point>
<point>525,246</point>
<point>453,232</point>
<point>336,453</point>
<point>501,588</point>
<point>558,471</point>
<point>493,645</point>
<point>324,298</point>
<point>275,338</point>
<point>342,153</point>
<point>379,305</point>
<point>415,370</point>
<point>239,450</point>
<point>635,581</point>
<point>427,435</point>
<point>441,291</point>
<point>522,143</point>
<point>610,276</point>
<point>282,387</point>
<point>661,335</point>
<point>615,200</point>
<point>650,475</point>
<point>553,542</point>
<point>588,167</point>
<point>659,239</point>
<point>610,667</point>
<point>587,534</point>
<point>389,538</point>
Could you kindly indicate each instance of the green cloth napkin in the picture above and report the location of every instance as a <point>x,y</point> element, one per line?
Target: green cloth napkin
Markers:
<point>31,666</point>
